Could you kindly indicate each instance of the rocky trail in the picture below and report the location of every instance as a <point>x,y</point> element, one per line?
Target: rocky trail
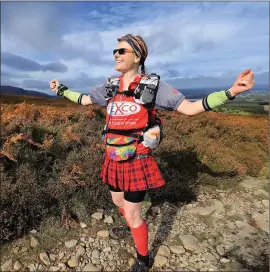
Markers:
<point>224,230</point>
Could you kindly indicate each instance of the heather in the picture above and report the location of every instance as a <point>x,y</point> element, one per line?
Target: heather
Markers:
<point>51,158</point>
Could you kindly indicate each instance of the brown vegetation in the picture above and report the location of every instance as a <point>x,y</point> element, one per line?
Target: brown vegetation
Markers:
<point>51,158</point>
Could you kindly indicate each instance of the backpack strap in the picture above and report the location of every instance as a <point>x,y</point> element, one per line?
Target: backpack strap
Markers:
<point>146,90</point>
<point>111,87</point>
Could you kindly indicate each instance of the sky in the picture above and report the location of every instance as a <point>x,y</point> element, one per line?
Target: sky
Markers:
<point>191,44</point>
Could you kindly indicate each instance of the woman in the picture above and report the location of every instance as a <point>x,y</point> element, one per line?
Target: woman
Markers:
<point>128,177</point>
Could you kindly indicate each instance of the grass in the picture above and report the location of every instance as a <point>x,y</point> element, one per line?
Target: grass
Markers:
<point>233,111</point>
<point>254,104</point>
<point>221,183</point>
<point>52,157</point>
<point>51,234</point>
<point>10,99</point>
<point>264,173</point>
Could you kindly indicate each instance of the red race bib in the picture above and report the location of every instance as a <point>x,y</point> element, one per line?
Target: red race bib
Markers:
<point>124,114</point>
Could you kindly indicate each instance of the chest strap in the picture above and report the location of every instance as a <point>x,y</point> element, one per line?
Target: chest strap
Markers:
<point>129,132</point>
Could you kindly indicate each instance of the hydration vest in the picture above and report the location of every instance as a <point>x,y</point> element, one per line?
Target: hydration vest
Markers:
<point>145,95</point>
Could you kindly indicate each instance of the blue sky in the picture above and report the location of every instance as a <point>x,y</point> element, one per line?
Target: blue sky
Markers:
<point>195,44</point>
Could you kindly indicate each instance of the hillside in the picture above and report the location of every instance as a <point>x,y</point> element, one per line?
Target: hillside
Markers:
<point>252,103</point>
<point>191,93</point>
<point>51,158</point>
<point>197,93</point>
<point>20,91</point>
<point>36,100</point>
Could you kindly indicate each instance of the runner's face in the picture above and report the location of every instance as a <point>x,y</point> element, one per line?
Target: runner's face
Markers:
<point>127,61</point>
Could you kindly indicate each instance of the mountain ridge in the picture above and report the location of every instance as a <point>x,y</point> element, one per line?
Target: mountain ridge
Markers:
<point>20,91</point>
<point>189,92</point>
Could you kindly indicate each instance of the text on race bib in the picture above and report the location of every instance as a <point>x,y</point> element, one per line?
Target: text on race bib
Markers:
<point>123,108</point>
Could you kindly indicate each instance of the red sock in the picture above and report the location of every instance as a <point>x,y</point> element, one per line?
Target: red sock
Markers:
<point>123,213</point>
<point>140,236</point>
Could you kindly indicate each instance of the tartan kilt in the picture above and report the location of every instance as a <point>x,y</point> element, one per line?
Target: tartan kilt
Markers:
<point>132,175</point>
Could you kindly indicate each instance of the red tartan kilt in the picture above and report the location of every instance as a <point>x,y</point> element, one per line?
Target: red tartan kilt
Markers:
<point>132,175</point>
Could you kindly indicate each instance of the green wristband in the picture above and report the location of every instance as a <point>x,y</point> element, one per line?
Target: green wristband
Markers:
<point>214,100</point>
<point>71,95</point>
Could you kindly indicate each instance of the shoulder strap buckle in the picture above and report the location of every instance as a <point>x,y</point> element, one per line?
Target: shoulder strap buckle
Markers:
<point>111,87</point>
<point>155,75</point>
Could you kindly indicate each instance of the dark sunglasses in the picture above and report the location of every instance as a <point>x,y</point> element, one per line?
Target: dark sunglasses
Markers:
<point>122,51</point>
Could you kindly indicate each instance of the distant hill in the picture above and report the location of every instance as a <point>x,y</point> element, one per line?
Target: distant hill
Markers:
<point>21,91</point>
<point>197,93</point>
<point>192,93</point>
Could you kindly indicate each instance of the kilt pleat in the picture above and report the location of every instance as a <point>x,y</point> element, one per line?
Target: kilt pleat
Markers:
<point>132,175</point>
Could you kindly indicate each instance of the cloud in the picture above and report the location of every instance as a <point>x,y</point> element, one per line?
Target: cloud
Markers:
<point>14,75</point>
<point>20,63</point>
<point>55,67</point>
<point>173,73</point>
<point>32,23</point>
<point>9,82</point>
<point>73,41</point>
<point>221,81</point>
<point>36,84</point>
<point>24,64</point>
<point>262,78</point>
<point>83,82</point>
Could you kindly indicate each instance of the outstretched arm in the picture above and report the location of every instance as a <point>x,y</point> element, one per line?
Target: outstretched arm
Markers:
<point>79,98</point>
<point>191,108</point>
<point>86,100</point>
<point>244,82</point>
<point>63,91</point>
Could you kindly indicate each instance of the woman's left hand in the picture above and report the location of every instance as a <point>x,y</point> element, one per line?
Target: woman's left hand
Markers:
<point>244,82</point>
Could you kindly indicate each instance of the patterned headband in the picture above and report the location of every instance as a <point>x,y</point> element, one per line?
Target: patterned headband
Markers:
<point>138,46</point>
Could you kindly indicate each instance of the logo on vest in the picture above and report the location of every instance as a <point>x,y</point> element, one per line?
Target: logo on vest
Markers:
<point>123,108</point>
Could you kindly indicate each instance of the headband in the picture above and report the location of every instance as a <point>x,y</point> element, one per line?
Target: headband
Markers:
<point>138,46</point>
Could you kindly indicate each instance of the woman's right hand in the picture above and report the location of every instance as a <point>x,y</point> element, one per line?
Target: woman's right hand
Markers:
<point>54,85</point>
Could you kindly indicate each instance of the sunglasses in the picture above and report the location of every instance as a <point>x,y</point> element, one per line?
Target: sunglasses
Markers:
<point>122,51</point>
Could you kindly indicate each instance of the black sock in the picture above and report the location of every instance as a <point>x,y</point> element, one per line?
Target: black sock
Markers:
<point>144,259</point>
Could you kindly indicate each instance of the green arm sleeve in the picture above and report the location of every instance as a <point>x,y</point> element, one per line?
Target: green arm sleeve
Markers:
<point>214,100</point>
<point>63,91</point>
